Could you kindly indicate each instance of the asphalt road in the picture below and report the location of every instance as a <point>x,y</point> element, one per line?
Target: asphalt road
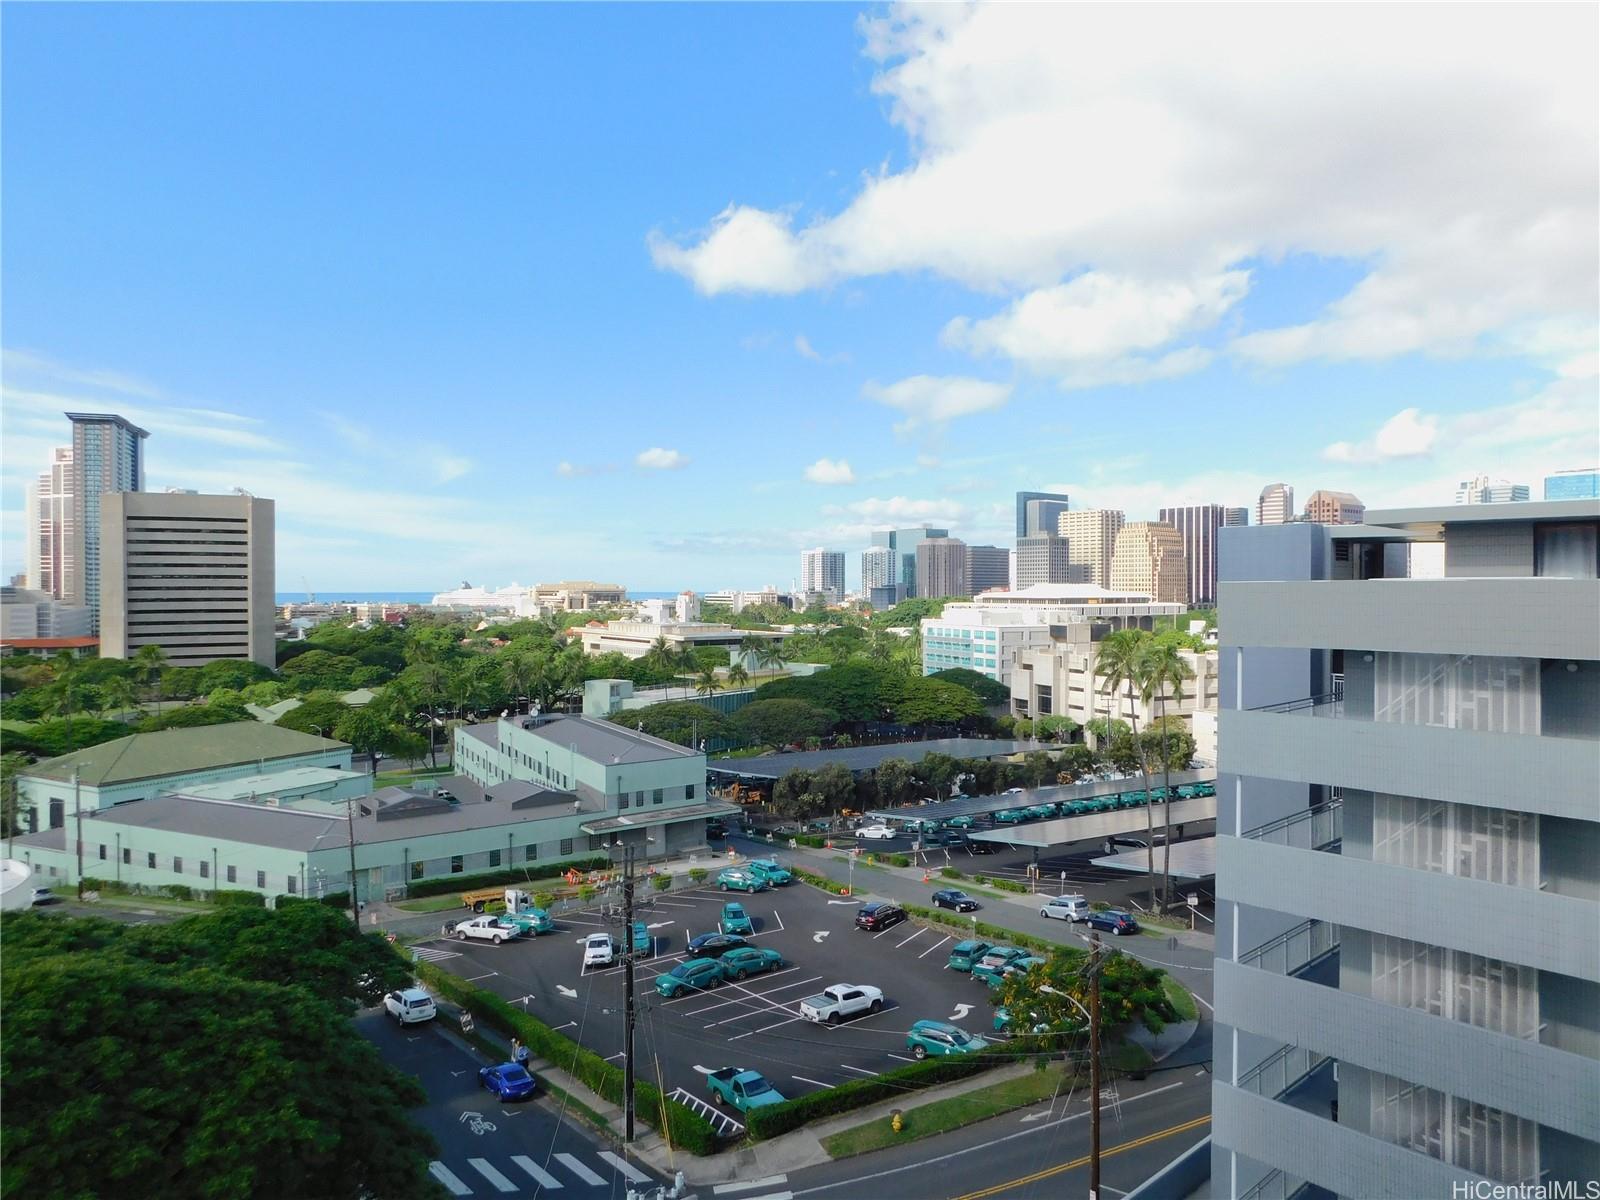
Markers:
<point>487,1148</point>
<point>755,1023</point>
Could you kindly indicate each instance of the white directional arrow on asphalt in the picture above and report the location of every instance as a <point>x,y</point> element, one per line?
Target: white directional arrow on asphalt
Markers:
<point>961,1011</point>
<point>843,901</point>
<point>569,993</point>
<point>1038,1116</point>
<point>660,924</point>
<point>702,1070</point>
<point>819,935</point>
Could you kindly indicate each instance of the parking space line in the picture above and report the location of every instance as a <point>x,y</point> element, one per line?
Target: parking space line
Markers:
<point>449,1178</point>
<point>881,932</point>
<point>902,1058</point>
<point>485,1168</point>
<point>735,1000</point>
<point>818,1082</point>
<point>920,931</point>
<point>543,1178</point>
<point>768,1028</point>
<point>862,1019</point>
<point>933,947</point>
<point>578,1169</point>
<point>761,1006</point>
<point>863,1070</point>
<point>779,916</point>
<point>633,1174</point>
<point>618,1054</point>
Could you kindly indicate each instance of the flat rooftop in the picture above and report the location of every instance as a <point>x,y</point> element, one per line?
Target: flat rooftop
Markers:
<point>1056,793</point>
<point>1195,859</point>
<point>864,758</point>
<point>591,738</point>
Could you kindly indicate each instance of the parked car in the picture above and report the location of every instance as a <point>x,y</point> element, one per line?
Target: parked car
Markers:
<point>879,915</point>
<point>834,1004</point>
<point>1011,816</point>
<point>956,899</point>
<point>988,967</point>
<point>1039,811</point>
<point>1012,792</point>
<point>769,870</point>
<point>698,974</point>
<point>643,941</point>
<point>1003,1019</point>
<point>822,825</point>
<point>599,950</point>
<point>966,953</point>
<point>409,1006</point>
<point>941,1038</point>
<point>508,1081</point>
<point>714,945</point>
<point>45,896</point>
<point>749,960</point>
<point>1065,908</point>
<point>716,829</point>
<point>1112,921</point>
<point>739,880</point>
<point>980,847</point>
<point>877,833</point>
<point>742,1089</point>
<point>960,823</point>
<point>944,837</point>
<point>1017,966</point>
<point>487,928</point>
<point>735,919</point>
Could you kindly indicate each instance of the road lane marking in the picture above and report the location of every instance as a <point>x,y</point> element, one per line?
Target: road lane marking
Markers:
<point>540,1176</point>
<point>578,1169</point>
<point>475,978</point>
<point>632,1173</point>
<point>722,1189</point>
<point>902,1058</point>
<point>766,1028</point>
<point>1135,1144</point>
<point>483,1167</point>
<point>448,1177</point>
<point>863,1070</point>
<point>932,948</point>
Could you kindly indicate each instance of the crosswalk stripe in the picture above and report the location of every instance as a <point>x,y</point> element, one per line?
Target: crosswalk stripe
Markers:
<point>543,1178</point>
<point>431,955</point>
<point>629,1171</point>
<point>448,1177</point>
<point>483,1167</point>
<point>578,1169</point>
<point>751,1185</point>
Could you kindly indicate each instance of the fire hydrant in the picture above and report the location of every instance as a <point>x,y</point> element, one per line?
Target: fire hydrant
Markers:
<point>895,1122</point>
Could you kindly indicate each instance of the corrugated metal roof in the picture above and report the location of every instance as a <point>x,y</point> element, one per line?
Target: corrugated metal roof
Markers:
<point>179,751</point>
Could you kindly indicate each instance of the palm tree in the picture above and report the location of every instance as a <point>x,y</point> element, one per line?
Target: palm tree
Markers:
<point>660,654</point>
<point>705,681</point>
<point>69,693</point>
<point>151,661</point>
<point>1122,664</point>
<point>1166,670</point>
<point>118,694</point>
<point>686,660</point>
<point>737,675</point>
<point>519,672</point>
<point>770,654</point>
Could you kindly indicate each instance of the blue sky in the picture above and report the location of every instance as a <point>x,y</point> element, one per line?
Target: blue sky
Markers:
<point>532,292</point>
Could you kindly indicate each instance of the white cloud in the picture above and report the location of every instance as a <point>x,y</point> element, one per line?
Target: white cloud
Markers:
<point>827,470</point>
<point>1408,434</point>
<point>933,399</point>
<point>450,466</point>
<point>803,347</point>
<point>1100,328</point>
<point>1455,161</point>
<point>657,459</point>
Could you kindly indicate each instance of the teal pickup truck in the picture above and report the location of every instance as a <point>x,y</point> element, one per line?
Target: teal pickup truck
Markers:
<point>769,871</point>
<point>529,921</point>
<point>742,1089</point>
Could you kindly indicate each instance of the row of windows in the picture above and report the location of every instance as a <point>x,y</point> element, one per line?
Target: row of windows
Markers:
<point>175,865</point>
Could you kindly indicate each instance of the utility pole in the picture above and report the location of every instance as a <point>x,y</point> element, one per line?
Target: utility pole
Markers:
<point>627,994</point>
<point>77,812</point>
<point>1094,1067</point>
<point>355,909</point>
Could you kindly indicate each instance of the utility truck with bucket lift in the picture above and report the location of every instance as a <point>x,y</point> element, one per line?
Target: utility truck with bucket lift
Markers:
<point>514,902</point>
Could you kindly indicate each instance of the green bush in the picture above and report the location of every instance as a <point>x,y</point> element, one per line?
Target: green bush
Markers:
<point>1005,885</point>
<point>697,875</point>
<point>810,839</point>
<point>544,899</point>
<point>995,933</point>
<point>950,872</point>
<point>858,1093</point>
<point>683,1127</point>
<point>228,898</point>
<point>661,882</point>
<point>471,883</point>
<point>283,900</point>
<point>898,860</point>
<point>336,899</point>
<point>815,880</point>
<point>179,891</point>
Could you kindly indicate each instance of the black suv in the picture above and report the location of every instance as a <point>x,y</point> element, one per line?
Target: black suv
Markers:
<point>880,915</point>
<point>954,898</point>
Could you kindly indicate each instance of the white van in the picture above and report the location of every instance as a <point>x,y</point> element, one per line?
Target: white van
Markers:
<point>1066,908</point>
<point>410,1006</point>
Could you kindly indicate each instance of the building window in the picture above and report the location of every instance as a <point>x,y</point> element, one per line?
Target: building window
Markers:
<point>205,869</point>
<point>455,864</point>
<point>261,880</point>
<point>688,792</point>
<point>657,796</point>
<point>294,886</point>
<point>151,861</point>
<point>566,846</point>
<point>127,857</point>
<point>596,841</point>
<point>494,858</point>
<point>177,865</point>
<point>416,869</point>
<point>638,799</point>
<point>530,852</point>
<point>1566,551</point>
<point>102,852</point>
<point>233,874</point>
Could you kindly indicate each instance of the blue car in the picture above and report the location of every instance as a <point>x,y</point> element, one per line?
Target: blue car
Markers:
<point>508,1081</point>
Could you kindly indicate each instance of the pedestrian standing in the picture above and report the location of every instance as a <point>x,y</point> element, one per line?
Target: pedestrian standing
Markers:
<point>519,1052</point>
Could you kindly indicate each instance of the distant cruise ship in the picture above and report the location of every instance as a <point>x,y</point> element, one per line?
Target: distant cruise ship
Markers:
<point>512,598</point>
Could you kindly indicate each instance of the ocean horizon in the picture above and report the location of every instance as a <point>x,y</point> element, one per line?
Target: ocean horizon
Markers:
<point>399,597</point>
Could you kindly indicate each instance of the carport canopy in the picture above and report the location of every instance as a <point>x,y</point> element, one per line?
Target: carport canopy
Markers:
<point>979,806</point>
<point>639,819</point>
<point>1195,859</point>
<point>863,758</point>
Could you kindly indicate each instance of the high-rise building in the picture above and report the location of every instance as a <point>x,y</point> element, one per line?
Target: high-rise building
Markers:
<point>191,574</point>
<point>1235,516</point>
<point>1197,525</point>
<point>1334,508</point>
<point>49,522</point>
<point>988,568</point>
<point>1149,558</point>
<point>1091,535</point>
<point>1573,485</point>
<point>823,571</point>
<point>1037,512</point>
<point>904,543</point>
<point>1276,505</point>
<point>1484,490</point>
<point>943,568</point>
<point>1409,773</point>
<point>107,457</point>
<point>879,576</point>
<point>1047,558</point>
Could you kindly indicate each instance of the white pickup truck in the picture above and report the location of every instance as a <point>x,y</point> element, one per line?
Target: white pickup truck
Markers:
<point>485,929</point>
<point>834,1004</point>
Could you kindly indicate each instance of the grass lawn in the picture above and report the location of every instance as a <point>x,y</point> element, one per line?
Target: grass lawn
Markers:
<point>1181,999</point>
<point>390,778</point>
<point>430,904</point>
<point>944,1115</point>
<point>1127,1056</point>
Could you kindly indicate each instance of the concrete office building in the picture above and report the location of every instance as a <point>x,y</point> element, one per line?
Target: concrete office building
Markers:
<point>1573,485</point>
<point>1149,558</point>
<point>1235,516</point>
<point>1483,490</point>
<point>879,573</point>
<point>1276,505</point>
<point>903,544</point>
<point>943,568</point>
<point>634,638</point>
<point>988,568</point>
<point>1334,508</point>
<point>579,595</point>
<point>822,571</point>
<point>1059,674</point>
<point>25,614</point>
<point>48,525</point>
<point>1197,525</point>
<point>1038,512</point>
<point>1408,974</point>
<point>1091,535</point>
<point>191,574</point>
<point>107,458</point>
<point>1047,558</point>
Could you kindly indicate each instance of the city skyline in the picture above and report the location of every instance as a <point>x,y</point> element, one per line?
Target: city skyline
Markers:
<point>405,360</point>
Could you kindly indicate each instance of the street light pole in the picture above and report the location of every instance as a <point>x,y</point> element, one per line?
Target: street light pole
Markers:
<point>1094,1067</point>
<point>628,996</point>
<point>350,816</point>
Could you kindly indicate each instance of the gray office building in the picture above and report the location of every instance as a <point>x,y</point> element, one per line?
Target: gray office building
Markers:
<point>107,457</point>
<point>943,568</point>
<point>1046,558</point>
<point>1408,856</point>
<point>1235,516</point>
<point>988,568</point>
<point>1198,525</point>
<point>903,543</point>
<point>1038,512</point>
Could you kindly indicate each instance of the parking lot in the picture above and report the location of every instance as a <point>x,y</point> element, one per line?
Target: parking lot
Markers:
<point>753,1024</point>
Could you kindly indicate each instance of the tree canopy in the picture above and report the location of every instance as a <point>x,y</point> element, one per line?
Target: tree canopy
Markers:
<point>781,722</point>
<point>989,691</point>
<point>679,721</point>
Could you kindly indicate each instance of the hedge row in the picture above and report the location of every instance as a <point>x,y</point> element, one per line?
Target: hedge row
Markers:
<point>169,891</point>
<point>1005,885</point>
<point>858,1093</point>
<point>471,883</point>
<point>228,898</point>
<point>995,933</point>
<point>684,1128</point>
<point>815,880</point>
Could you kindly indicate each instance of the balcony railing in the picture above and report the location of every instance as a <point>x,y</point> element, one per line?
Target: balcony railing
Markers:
<point>1294,949</point>
<point>1317,828</point>
<point>1281,1071</point>
<point>1326,704</point>
<point>1276,1185</point>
